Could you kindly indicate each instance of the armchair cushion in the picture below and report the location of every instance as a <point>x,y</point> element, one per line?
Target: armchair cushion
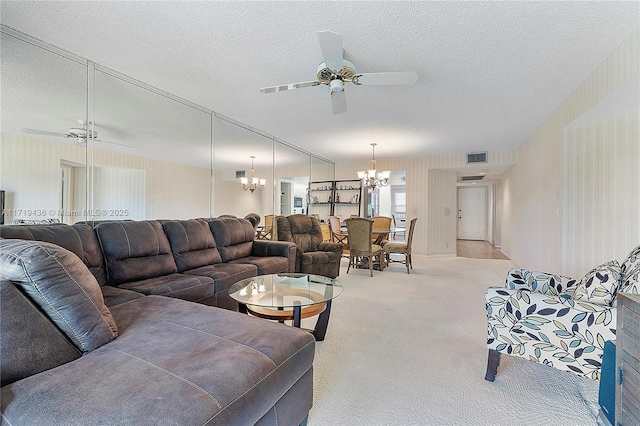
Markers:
<point>600,284</point>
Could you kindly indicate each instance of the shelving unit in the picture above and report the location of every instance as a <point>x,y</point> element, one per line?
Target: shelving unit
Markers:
<point>322,197</point>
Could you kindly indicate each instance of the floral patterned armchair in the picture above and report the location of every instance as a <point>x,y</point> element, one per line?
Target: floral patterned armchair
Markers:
<point>555,320</point>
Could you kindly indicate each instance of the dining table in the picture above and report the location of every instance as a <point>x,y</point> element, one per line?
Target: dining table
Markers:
<point>380,234</point>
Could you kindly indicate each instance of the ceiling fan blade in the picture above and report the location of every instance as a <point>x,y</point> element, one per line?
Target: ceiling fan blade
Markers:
<point>44,132</point>
<point>114,143</point>
<point>338,102</point>
<point>292,86</point>
<point>386,78</point>
<point>332,50</point>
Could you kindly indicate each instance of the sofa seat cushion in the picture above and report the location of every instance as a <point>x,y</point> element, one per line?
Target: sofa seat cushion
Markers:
<point>181,286</point>
<point>59,283</point>
<point>265,265</point>
<point>175,362</point>
<point>225,274</point>
<point>115,296</point>
<point>319,258</point>
<point>192,243</point>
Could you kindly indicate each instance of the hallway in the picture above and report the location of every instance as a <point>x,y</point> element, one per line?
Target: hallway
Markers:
<point>478,250</point>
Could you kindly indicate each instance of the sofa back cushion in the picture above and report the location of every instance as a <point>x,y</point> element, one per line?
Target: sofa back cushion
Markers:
<point>30,342</point>
<point>59,283</point>
<point>301,229</point>
<point>234,237</point>
<point>79,239</point>
<point>192,243</point>
<point>135,250</point>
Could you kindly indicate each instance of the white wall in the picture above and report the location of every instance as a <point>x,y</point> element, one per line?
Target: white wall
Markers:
<point>601,219</point>
<point>533,210</point>
<point>442,218</point>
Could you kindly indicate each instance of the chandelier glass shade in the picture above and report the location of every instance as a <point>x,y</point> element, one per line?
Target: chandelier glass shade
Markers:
<point>254,183</point>
<point>372,178</point>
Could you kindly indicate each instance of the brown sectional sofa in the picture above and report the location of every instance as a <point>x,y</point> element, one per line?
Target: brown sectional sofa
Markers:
<point>173,361</point>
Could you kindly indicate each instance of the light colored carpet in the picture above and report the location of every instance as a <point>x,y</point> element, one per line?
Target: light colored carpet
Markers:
<point>411,350</point>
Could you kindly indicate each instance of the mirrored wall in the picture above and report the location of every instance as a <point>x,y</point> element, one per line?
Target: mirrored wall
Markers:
<point>82,142</point>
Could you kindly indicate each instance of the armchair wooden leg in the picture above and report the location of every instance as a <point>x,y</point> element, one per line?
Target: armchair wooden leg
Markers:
<point>493,360</point>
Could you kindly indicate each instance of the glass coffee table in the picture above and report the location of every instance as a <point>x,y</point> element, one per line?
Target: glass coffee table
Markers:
<point>285,297</point>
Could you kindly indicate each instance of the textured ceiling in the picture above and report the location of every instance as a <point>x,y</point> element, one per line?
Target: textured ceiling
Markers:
<point>489,72</point>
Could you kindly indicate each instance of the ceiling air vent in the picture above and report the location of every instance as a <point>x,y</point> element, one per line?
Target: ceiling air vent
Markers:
<point>476,157</point>
<point>465,178</point>
<point>240,173</point>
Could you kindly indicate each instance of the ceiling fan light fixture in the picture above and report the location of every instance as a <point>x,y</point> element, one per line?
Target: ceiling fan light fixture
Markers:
<point>336,85</point>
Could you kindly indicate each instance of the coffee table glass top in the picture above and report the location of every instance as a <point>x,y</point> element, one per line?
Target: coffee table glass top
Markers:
<point>285,290</point>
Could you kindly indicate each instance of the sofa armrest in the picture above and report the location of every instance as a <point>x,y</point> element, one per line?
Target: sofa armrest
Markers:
<point>264,248</point>
<point>337,248</point>
<point>539,282</point>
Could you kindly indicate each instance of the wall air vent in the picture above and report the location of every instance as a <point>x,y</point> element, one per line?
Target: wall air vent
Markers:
<point>476,157</point>
<point>240,174</point>
<point>467,178</point>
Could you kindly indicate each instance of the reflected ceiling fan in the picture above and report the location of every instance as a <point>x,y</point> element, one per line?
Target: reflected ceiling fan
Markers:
<point>79,133</point>
<point>336,72</point>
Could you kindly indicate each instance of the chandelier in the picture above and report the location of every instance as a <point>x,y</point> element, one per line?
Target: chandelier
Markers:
<point>256,183</point>
<point>369,177</point>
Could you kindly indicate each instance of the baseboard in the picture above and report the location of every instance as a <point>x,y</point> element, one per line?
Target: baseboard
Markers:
<point>442,255</point>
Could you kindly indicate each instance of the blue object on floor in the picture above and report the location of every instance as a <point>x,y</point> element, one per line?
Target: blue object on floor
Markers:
<point>607,390</point>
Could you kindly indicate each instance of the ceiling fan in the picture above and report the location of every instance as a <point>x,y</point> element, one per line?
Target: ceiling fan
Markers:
<point>79,133</point>
<point>336,72</point>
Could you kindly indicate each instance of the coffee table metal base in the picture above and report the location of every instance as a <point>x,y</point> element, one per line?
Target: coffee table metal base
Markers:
<point>296,314</point>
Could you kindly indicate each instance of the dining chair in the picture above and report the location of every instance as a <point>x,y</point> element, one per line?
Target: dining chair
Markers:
<point>362,251</point>
<point>337,236</point>
<point>395,230</point>
<point>267,231</point>
<point>401,248</point>
<point>381,229</point>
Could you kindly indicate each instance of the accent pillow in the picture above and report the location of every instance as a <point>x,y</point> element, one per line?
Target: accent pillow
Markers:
<point>58,282</point>
<point>631,273</point>
<point>599,285</point>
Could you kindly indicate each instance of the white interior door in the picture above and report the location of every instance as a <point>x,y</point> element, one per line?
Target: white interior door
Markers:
<point>472,213</point>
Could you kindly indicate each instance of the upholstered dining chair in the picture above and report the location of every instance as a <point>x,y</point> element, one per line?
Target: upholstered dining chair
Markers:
<point>381,229</point>
<point>362,251</point>
<point>401,248</point>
